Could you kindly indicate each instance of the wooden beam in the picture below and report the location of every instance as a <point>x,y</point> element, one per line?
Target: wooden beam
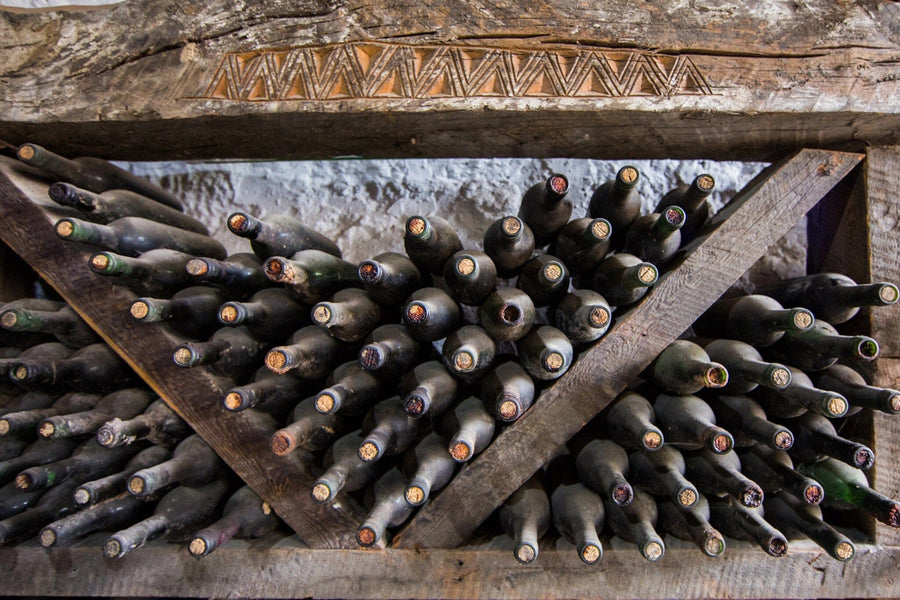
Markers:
<point>241,439</point>
<point>758,217</point>
<point>886,443</point>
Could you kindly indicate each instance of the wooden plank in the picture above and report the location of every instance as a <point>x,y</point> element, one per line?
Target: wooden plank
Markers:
<point>757,218</point>
<point>241,439</point>
<point>277,568</point>
<point>612,79</point>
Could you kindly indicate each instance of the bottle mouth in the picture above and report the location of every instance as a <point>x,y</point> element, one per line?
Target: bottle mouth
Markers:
<point>282,443</point>
<point>139,310</point>
<point>510,314</point>
<point>780,377</point>
<point>813,494</point>
<point>185,356</point>
<point>372,357</point>
<point>277,360</point>
<point>722,443</point>
<point>416,226</point>
<point>777,547</point>
<point>366,536</point>
<point>8,319</point>
<point>370,272</point>
<point>590,553</point>
<point>230,314</point>
<point>803,319</point>
<point>508,409</point>
<point>653,551</point>
<point>235,400</point>
<point>652,440</point>
<point>894,403</point>
<point>868,349</point>
<point>65,228</point>
<point>553,362</point>
<point>416,313</point>
<point>415,495</point>
<point>465,266</point>
<point>105,437</point>
<point>647,274</point>
<point>274,268</point>
<point>62,193</point>
<point>714,545</point>
<point>4,426</point>
<point>705,182</point>
<point>844,551</point>
<point>511,226</point>
<point>48,538</point>
<point>526,553</point>
<point>82,496</point>
<point>100,262</point>
<point>622,494</point>
<point>369,451</point>
<point>198,547</point>
<point>598,317</point>
<point>888,293</point>
<point>26,152</point>
<point>197,267</point>
<point>687,497</point>
<point>322,313</point>
<point>675,216</point>
<point>46,429</point>
<point>558,184</point>
<point>783,440</point>
<point>238,223</point>
<point>553,272</point>
<point>137,485</point>
<point>752,496</point>
<point>321,492</point>
<point>863,458</point>
<point>415,405</point>
<point>600,229</point>
<point>836,406</point>
<point>461,451</point>
<point>628,176</point>
<point>464,361</point>
<point>326,402</point>
<point>113,549</point>
<point>716,377</point>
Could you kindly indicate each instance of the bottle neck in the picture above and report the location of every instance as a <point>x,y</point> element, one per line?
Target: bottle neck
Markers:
<point>215,535</point>
<point>332,481</point>
<point>192,354</point>
<point>153,310</point>
<point>136,536</point>
<point>95,234</point>
<point>62,168</point>
<point>850,296</point>
<point>117,432</point>
<point>246,226</point>
<point>67,194</point>
<point>116,265</point>
<point>526,536</point>
<point>147,481</point>
<point>42,321</point>
<point>667,223</point>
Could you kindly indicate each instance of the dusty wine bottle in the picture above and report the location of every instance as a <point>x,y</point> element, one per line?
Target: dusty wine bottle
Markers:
<point>94,174</point>
<point>269,314</point>
<point>279,235</point>
<point>388,430</point>
<point>662,473</point>
<point>468,352</point>
<point>43,353</point>
<point>469,427</point>
<point>241,274</point>
<point>685,368</point>
<point>799,397</point>
<point>89,461</point>
<point>350,315</point>
<point>850,384</point>
<point>158,272</point>
<point>656,237</point>
<point>603,466</point>
<point>158,424</point>
<point>821,346</point>
<point>525,517</point>
<point>114,204</point>
<point>390,351</point>
<point>799,519</point>
<point>231,352</point>
<point>34,400</point>
<point>744,523</point>
<point>314,275</point>
<point>582,315</point>
<point>847,488</point>
<point>635,523</point>
<point>37,453</point>
<point>93,368</point>
<point>546,353</point>
<point>746,368</point>
<point>389,509</point>
<point>274,393</point>
<point>690,424</point>
<point>430,314</point>
<point>544,208</point>
<point>245,516</point>
<point>125,403</point>
<point>693,199</point>
<point>191,311</point>
<point>507,314</point>
<point>14,501</point>
<point>389,278</point>
<point>507,391</point>
<point>631,422</point>
<point>430,242</point>
<point>623,279</point>
<point>311,353</point>
<point>720,475</point>
<point>617,201</point>
<point>816,438</point>
<point>582,244</point>
<point>308,429</point>
<point>691,524</point>
<point>55,504</point>
<point>92,492</point>
<point>26,420</point>
<point>545,279</point>
<point>470,276</point>
<point>344,469</point>
<point>577,511</point>
<point>64,324</point>
<point>132,236</point>
<point>427,467</point>
<point>106,515</point>
<point>351,390</point>
<point>774,471</point>
<point>509,243</point>
<point>193,463</point>
<point>747,421</point>
<point>755,319</point>
<point>427,389</point>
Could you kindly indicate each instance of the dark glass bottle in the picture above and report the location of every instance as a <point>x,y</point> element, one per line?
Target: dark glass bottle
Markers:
<point>89,461</point>
<point>387,430</point>
<point>430,242</point>
<point>546,353</point>
<point>191,311</point>
<point>847,488</point>
<point>693,199</point>
<point>577,511</point>
<point>821,346</point>
<point>617,201</point>
<point>623,279</point>
<point>631,422</point>
<point>851,385</point>
<point>132,236</point>
<point>351,390</point>
<point>241,274</point>
<point>38,453</point>
<point>193,463</point>
<point>468,352</point>
<point>774,471</point>
<point>94,174</point>
<point>314,275</point>
<point>430,314</point>
<point>106,515</point>
<point>158,272</point>
<point>389,509</point>
<point>798,519</point>
<point>583,315</point>
<point>545,279</point>
<point>469,427</point>
<point>308,429</point>
<point>269,315</point>
<point>125,403</point>
<point>390,351</point>
<point>389,278</point>
<point>507,314</point>
<point>582,244</point>
<point>35,400</point>
<point>158,424</point>
<point>311,353</point>
<point>755,319</point>
<point>114,204</point>
<point>525,517</point>
<point>231,352</point>
<point>799,397</point>
<point>603,466</point>
<point>656,237</point>
<point>685,368</point>
<point>816,438</point>
<point>55,504</point>
<point>744,523</point>
<point>92,492</point>
<point>690,424</point>
<point>746,368</point>
<point>470,276</point>
<point>23,421</point>
<point>94,368</point>
<point>14,501</point>
<point>47,352</point>
<point>748,423</point>
<point>245,516</point>
<point>720,475</point>
<point>635,523</point>
<point>545,210</point>
<point>344,469</point>
<point>268,391</point>
<point>662,473</point>
<point>64,324</point>
<point>427,389</point>
<point>279,235</point>
<point>691,524</point>
<point>509,243</point>
<point>350,315</point>
<point>428,467</point>
<point>507,391</point>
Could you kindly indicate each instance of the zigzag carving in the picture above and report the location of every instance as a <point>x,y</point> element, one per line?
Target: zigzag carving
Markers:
<point>374,70</point>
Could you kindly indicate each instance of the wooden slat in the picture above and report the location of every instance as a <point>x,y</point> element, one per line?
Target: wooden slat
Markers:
<point>886,444</point>
<point>241,439</point>
<point>757,218</point>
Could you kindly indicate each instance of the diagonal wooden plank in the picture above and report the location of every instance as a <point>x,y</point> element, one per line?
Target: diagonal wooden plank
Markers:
<point>241,439</point>
<point>742,232</point>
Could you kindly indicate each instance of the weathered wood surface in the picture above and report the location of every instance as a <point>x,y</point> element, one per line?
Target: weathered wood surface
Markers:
<point>758,217</point>
<point>277,568</point>
<point>241,439</point>
<point>886,444</point>
<point>611,79</point>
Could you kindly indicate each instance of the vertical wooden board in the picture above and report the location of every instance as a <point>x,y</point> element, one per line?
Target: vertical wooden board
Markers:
<point>241,439</point>
<point>759,216</point>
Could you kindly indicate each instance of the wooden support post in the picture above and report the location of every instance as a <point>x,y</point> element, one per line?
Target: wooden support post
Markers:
<point>758,217</point>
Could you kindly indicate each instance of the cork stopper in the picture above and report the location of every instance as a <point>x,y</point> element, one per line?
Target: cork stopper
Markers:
<point>598,317</point>
<point>895,403</point>
<point>784,440</point>
<point>623,495</point>
<point>752,496</point>
<point>112,548</point>
<point>553,362</point>
<point>868,349</point>
<point>282,442</point>
<point>889,293</point>
<point>20,372</point>
<point>366,536</point>
<point>228,313</point>
<point>136,485</point>
<point>368,451</point>
<point>628,174</point>
<point>460,451</point>
<point>237,222</point>
<point>716,376</point>
<point>82,496</point>
<point>416,313</point>
<point>777,547</point>
<point>647,274</point>
<point>780,377</point>
<point>463,361</point>
<point>653,551</point>
<point>893,516</point>
<point>558,184</point>
<point>465,266</point>
<point>844,551</point>
<point>415,495</point>
<point>321,492</point>
<point>325,403</point>
<point>510,314</point>
<point>414,405</point>
<point>553,272</point>
<point>183,356</point>
<point>511,225</point>
<point>687,497</point>
<point>714,545</point>
<point>590,554</point>
<point>100,262</point>
<point>105,436</point>
<point>276,360</point>
<point>233,401</point>
<point>8,319</point>
<point>139,309</point>
<point>25,152</point>
<point>197,546</point>
<point>525,553</point>
<point>197,267</point>
<point>652,440</point>
<point>65,228</point>
<point>372,357</point>
<point>46,429</point>
<point>813,494</point>
<point>370,272</point>
<point>837,406</point>
<point>4,426</point>
<point>864,458</point>
<point>600,229</point>
<point>722,443</point>
<point>23,481</point>
<point>415,226</point>
<point>48,538</point>
<point>803,319</point>
<point>706,182</point>
<point>321,313</point>
<point>675,216</point>
<point>508,410</point>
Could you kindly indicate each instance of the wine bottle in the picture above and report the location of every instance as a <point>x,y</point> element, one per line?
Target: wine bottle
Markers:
<point>311,353</point>
<point>545,279</point>
<point>22,421</point>
<point>546,352</point>
<point>617,201</point>
<point>799,397</point>
<point>34,400</point>
<point>470,276</point>
<point>577,511</point>
<point>274,393</point>
<point>583,315</point>
<point>191,311</point>
<point>245,516</point>
<point>816,438</point>
<point>746,368</point>
<point>114,204</point>
<point>269,314</point>
<point>12,446</point>
<point>351,390</point>
<point>603,466</point>
<point>390,351</point>
<point>693,199</point>
<point>312,274</point>
<point>744,523</point>
<point>469,427</point>
<point>691,524</point>
<point>387,430</point>
<point>279,235</point>
<point>833,297</point>
<point>623,279</point>
<point>94,174</point>
<point>55,504</point>
<point>747,422</point>
<point>179,513</point>
<point>656,237</point>
<point>89,461</point>
<point>389,278</point>
<point>755,319</point>
<point>64,324</point>
<point>468,352</point>
<point>525,517</point>
<point>631,423</point>
<point>430,242</point>
<point>685,368</point>
<point>847,488</point>
<point>94,368</point>
<point>582,244</point>
<point>509,243</point>
<point>427,389</point>
<point>92,492</point>
<point>821,346</point>
<point>106,515</point>
<point>720,475</point>
<point>349,316</point>
<point>430,314</point>
<point>159,272</point>
<point>47,352</point>
<point>231,352</point>
<point>507,391</point>
<point>662,473</point>
<point>193,463</point>
<point>125,403</point>
<point>544,208</point>
<point>158,424</point>
<point>774,471</point>
<point>14,343</point>
<point>799,519</point>
<point>690,424</point>
<point>859,395</point>
<point>507,314</point>
<point>241,274</point>
<point>38,453</point>
<point>635,522</point>
<point>133,236</point>
<point>308,429</point>
<point>428,468</point>
<point>389,509</point>
<point>14,501</point>
<point>344,469</point>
